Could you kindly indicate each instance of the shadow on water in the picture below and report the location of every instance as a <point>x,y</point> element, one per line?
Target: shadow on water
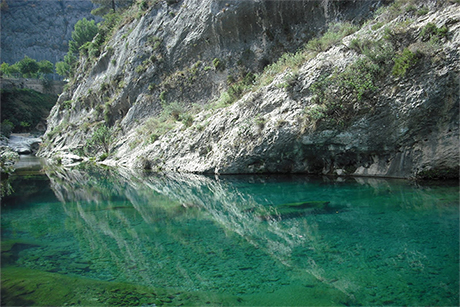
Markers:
<point>234,240</point>
<point>28,184</point>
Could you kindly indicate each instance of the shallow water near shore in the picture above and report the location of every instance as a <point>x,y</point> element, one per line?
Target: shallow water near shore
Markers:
<point>95,236</point>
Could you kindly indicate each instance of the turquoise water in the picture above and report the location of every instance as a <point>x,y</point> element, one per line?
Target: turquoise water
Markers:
<point>95,236</point>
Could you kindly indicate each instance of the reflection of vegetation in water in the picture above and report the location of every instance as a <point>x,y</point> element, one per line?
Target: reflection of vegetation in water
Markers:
<point>117,206</point>
<point>7,160</point>
<point>253,238</point>
<point>5,186</point>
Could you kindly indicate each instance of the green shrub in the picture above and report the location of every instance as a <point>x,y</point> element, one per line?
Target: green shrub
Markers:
<point>104,87</point>
<point>379,52</point>
<point>431,31</point>
<point>67,104</point>
<point>332,37</point>
<point>230,79</point>
<point>186,118</point>
<point>154,41</point>
<point>24,125</point>
<point>174,110</point>
<point>422,11</point>
<point>403,62</point>
<point>101,139</point>
<point>249,79</point>
<point>314,45</point>
<point>163,96</point>
<point>155,127</point>
<point>103,156</point>
<point>218,64</point>
<point>316,112</point>
<point>28,67</point>
<point>260,122</point>
<point>140,69</point>
<point>287,60</point>
<point>376,26</point>
<point>9,70</point>
<point>341,95</point>
<point>143,5</point>
<point>64,69</point>
<point>410,8</point>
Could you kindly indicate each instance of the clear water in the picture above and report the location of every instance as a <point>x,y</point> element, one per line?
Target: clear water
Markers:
<point>98,236</point>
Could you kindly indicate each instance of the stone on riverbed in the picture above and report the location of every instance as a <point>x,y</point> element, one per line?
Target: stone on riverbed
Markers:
<point>24,144</point>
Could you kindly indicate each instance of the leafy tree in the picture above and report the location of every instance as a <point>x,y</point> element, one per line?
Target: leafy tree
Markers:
<point>45,67</point>
<point>5,69</point>
<point>84,31</point>
<point>63,69</point>
<point>28,67</point>
<point>101,139</point>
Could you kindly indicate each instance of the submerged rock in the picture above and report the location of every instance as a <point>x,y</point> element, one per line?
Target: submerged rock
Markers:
<point>294,210</point>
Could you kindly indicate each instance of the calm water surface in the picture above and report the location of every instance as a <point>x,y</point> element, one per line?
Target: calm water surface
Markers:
<point>95,236</point>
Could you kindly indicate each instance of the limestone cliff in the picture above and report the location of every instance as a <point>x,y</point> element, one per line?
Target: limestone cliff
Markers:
<point>40,29</point>
<point>194,86</point>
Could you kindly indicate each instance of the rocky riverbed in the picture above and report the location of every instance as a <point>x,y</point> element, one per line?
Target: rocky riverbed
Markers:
<point>23,143</point>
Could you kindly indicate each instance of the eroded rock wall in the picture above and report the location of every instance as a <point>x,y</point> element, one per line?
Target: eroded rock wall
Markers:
<point>408,128</point>
<point>39,29</point>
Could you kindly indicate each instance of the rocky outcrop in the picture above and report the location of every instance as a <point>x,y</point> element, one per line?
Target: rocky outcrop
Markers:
<point>24,144</point>
<point>39,29</point>
<point>312,119</point>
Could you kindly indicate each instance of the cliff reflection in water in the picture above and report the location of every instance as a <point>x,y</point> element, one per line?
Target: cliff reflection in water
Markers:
<point>252,234</point>
<point>146,225</point>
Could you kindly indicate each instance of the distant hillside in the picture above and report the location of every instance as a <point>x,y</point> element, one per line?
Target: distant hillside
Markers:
<point>39,29</point>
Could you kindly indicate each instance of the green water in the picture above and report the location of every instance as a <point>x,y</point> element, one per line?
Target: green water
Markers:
<point>96,236</point>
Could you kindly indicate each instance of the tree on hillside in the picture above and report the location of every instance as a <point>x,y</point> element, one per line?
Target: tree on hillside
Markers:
<point>64,68</point>
<point>9,70</point>
<point>84,31</point>
<point>45,67</point>
<point>28,67</point>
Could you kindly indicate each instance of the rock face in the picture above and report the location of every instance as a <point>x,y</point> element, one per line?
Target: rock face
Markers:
<point>39,29</point>
<point>309,119</point>
<point>23,144</point>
